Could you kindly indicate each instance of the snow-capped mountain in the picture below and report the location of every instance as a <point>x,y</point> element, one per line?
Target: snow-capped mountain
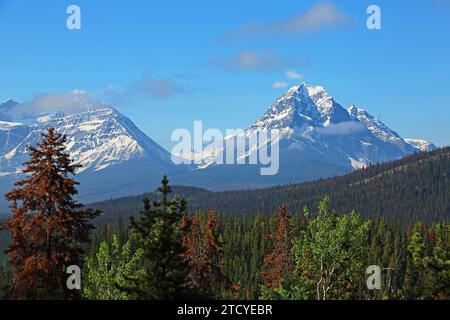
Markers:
<point>422,145</point>
<point>116,156</point>
<point>320,138</point>
<point>97,137</point>
<point>308,115</point>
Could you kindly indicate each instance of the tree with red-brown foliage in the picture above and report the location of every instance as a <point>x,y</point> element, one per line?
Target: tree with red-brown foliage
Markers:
<point>204,252</point>
<point>192,241</point>
<point>48,227</point>
<point>279,261</point>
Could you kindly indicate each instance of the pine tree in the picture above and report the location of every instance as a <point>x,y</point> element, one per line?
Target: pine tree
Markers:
<point>48,227</point>
<point>204,253</point>
<point>213,245</point>
<point>159,232</point>
<point>430,259</point>
<point>4,280</point>
<point>438,263</point>
<point>279,262</point>
<point>195,255</point>
<point>109,269</point>
<point>414,282</point>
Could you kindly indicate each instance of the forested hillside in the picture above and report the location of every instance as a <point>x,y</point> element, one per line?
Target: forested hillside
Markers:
<point>414,188</point>
<point>295,242</point>
<point>259,255</point>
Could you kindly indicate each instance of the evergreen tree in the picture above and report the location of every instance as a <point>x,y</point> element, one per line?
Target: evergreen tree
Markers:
<point>159,232</point>
<point>204,253</point>
<point>414,284</point>
<point>279,262</point>
<point>430,258</point>
<point>438,263</point>
<point>4,280</point>
<point>194,254</point>
<point>48,228</point>
<point>109,269</point>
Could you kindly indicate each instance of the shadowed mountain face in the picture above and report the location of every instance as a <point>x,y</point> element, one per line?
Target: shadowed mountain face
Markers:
<point>318,139</point>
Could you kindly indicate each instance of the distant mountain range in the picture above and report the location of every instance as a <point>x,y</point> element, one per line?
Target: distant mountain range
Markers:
<point>116,156</point>
<point>319,138</point>
<point>414,188</point>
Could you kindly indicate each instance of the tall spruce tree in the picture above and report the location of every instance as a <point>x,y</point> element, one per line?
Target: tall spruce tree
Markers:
<point>195,255</point>
<point>213,248</point>
<point>48,227</point>
<point>159,232</point>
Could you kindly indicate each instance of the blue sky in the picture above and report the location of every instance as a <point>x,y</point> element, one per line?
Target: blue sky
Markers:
<point>165,64</point>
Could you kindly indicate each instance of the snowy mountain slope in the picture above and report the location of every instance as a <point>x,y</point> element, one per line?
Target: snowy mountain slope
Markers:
<point>116,156</point>
<point>303,104</point>
<point>313,125</point>
<point>11,134</point>
<point>422,145</point>
<point>97,137</point>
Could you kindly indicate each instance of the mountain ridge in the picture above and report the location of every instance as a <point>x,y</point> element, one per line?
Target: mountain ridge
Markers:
<point>409,189</point>
<point>311,121</point>
<point>319,139</point>
<point>115,154</point>
<point>97,137</point>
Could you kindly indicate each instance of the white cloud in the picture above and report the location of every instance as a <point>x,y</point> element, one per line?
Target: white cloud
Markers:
<point>160,88</point>
<point>279,84</point>
<point>69,102</point>
<point>53,102</point>
<point>294,75</point>
<point>342,128</point>
<point>268,60</point>
<point>321,16</point>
